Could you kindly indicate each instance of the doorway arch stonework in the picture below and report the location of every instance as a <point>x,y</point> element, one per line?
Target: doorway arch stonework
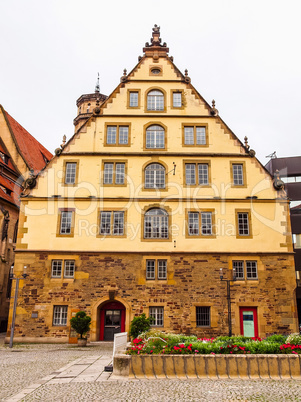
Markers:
<point>96,309</point>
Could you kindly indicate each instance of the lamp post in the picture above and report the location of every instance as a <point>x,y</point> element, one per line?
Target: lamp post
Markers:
<point>228,296</point>
<point>12,330</point>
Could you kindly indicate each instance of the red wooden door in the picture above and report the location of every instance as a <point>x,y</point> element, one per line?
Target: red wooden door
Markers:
<point>112,320</point>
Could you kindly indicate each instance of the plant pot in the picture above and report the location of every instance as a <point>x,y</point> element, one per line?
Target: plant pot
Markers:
<point>82,342</point>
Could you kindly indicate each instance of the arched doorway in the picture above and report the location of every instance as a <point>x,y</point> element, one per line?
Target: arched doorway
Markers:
<point>112,320</point>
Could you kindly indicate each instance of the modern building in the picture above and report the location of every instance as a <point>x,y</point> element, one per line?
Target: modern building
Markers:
<point>20,154</point>
<point>289,171</point>
<point>150,203</point>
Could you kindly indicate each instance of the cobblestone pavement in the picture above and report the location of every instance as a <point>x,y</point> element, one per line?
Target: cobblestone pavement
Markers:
<point>25,364</point>
<point>171,390</point>
<point>68,373</point>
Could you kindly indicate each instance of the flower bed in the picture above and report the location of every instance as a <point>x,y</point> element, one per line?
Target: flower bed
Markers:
<point>154,342</point>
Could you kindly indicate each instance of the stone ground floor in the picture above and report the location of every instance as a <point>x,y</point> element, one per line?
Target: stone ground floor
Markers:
<point>67,373</point>
<point>183,292</point>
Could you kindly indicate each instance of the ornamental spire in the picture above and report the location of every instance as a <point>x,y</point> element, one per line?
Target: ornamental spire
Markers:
<point>155,49</point>
<point>97,88</point>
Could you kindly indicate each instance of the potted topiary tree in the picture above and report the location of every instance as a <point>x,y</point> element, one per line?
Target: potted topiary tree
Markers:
<point>81,324</point>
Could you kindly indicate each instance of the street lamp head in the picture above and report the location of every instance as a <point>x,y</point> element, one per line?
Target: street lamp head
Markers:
<point>234,274</point>
<point>24,272</point>
<point>221,273</point>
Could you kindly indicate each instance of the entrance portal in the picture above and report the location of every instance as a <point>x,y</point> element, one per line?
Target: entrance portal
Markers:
<point>112,320</point>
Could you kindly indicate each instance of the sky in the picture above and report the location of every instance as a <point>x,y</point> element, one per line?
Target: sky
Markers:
<point>244,54</point>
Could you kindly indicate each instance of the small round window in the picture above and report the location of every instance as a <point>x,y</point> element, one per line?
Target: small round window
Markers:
<point>155,71</point>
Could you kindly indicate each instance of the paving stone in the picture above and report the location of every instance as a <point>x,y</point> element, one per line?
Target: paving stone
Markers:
<point>38,373</point>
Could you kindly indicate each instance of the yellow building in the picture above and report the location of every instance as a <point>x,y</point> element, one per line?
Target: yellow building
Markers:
<point>150,202</point>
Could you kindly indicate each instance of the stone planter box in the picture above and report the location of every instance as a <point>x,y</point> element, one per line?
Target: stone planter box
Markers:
<point>208,366</point>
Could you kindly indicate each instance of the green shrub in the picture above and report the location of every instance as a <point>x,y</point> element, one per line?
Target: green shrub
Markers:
<point>140,324</point>
<point>277,338</point>
<point>81,323</point>
<point>294,339</point>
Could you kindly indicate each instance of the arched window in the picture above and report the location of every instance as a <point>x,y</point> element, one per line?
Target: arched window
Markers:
<point>155,137</point>
<point>155,100</point>
<point>154,176</point>
<point>156,224</point>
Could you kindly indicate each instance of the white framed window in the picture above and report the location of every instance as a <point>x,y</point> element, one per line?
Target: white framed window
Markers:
<point>114,173</point>
<point>203,174</point>
<point>155,137</point>
<point>69,268</point>
<point>56,268</point>
<point>159,266</point>
<point>162,269</point>
<point>193,223</point>
<point>177,99</point>
<point>105,222</point>
<point>196,174</point>
<point>238,269</point>
<point>195,135</point>
<point>243,223</point>
<point>117,135</point>
<point>111,135</point>
<point>154,176</point>
<point>206,219</point>
<point>203,316</point>
<point>66,222</point>
<point>112,223</point>
<point>70,173</point>
<point>134,99</point>
<point>60,315</point>
<point>190,175</point>
<point>244,269</point>
<point>155,100</point>
<point>157,313</point>
<point>238,174</point>
<point>251,270</point>
<point>156,224</point>
<point>150,269</point>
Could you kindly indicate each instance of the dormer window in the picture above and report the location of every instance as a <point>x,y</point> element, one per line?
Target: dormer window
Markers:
<point>4,157</point>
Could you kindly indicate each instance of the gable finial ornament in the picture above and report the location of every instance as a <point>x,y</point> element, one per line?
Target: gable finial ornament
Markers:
<point>155,44</point>
<point>279,184</point>
<point>247,146</point>
<point>124,77</point>
<point>156,29</point>
<point>64,141</point>
<point>97,87</point>
<point>251,152</point>
<point>214,111</point>
<point>187,78</point>
<point>29,183</point>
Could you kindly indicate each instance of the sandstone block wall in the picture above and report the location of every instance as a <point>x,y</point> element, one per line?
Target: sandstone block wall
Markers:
<point>192,280</point>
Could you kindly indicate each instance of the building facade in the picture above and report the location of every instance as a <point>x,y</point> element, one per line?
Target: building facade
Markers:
<point>289,171</point>
<point>20,154</point>
<point>150,202</point>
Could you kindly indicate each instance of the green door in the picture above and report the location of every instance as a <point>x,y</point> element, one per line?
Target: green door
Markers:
<point>248,323</point>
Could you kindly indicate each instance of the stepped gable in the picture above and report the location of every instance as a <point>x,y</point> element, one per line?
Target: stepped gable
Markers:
<point>155,50</point>
<point>34,154</point>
